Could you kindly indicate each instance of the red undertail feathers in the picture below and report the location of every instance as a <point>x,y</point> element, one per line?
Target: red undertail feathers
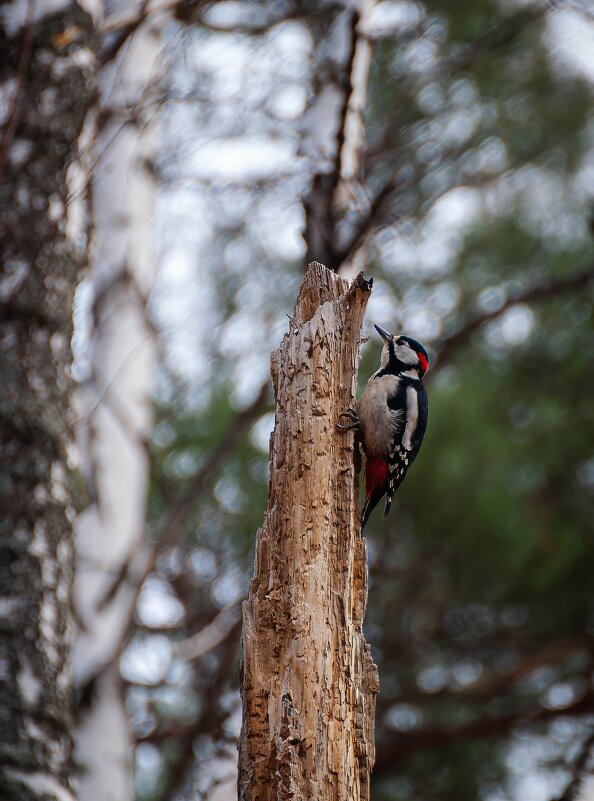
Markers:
<point>376,475</point>
<point>376,479</point>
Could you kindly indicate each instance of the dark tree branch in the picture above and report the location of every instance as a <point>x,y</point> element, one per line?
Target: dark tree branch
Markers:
<point>321,203</point>
<point>364,224</point>
<point>493,683</point>
<point>112,45</point>
<point>545,291</point>
<point>403,746</point>
<point>346,81</point>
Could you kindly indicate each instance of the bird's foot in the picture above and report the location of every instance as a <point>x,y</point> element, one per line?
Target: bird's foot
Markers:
<point>351,415</point>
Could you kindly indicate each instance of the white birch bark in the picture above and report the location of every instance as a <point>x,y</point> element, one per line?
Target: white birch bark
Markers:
<point>46,86</point>
<point>115,411</point>
<point>333,133</point>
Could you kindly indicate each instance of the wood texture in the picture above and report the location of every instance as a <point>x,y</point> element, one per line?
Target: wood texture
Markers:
<point>308,679</point>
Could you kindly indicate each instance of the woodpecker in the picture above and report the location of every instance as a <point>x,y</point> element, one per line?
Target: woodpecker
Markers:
<point>391,416</point>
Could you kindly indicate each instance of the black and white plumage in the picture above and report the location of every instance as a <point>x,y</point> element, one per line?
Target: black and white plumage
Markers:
<point>392,417</point>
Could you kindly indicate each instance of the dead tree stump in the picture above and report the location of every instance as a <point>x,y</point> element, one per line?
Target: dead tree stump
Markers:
<point>308,679</point>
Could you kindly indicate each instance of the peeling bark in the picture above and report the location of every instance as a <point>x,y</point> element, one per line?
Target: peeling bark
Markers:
<point>308,679</point>
<point>47,77</point>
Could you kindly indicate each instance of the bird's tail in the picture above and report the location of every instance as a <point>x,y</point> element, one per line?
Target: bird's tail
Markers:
<point>376,477</point>
<point>371,501</point>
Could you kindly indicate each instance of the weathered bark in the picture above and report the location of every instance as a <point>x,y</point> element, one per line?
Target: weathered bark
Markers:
<point>47,80</point>
<point>309,681</point>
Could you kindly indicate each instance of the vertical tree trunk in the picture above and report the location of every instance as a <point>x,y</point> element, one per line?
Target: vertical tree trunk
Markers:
<point>333,131</point>
<point>47,74</point>
<point>115,409</point>
<point>309,681</point>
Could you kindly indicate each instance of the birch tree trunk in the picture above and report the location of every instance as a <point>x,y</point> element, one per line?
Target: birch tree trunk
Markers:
<point>309,682</point>
<point>47,86</point>
<point>114,405</point>
<point>333,133</point>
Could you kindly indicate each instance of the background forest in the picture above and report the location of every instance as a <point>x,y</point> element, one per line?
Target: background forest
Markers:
<point>213,150</point>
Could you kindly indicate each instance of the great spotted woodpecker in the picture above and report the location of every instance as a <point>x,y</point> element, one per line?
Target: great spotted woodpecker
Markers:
<point>392,417</point>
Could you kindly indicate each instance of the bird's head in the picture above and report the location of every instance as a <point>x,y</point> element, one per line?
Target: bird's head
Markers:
<point>402,353</point>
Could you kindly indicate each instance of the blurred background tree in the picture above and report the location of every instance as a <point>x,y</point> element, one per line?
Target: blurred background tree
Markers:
<point>448,150</point>
<point>47,88</point>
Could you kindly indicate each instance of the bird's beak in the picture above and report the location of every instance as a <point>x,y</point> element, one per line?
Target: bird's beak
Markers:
<point>383,334</point>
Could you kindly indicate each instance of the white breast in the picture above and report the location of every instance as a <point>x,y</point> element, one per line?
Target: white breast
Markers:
<point>378,422</point>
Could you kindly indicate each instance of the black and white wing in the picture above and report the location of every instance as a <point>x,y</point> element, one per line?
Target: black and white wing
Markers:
<point>407,441</point>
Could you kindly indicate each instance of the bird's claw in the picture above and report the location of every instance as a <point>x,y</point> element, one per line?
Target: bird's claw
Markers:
<point>351,415</point>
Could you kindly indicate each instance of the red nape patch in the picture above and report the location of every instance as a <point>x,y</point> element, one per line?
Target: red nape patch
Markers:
<point>424,362</point>
<point>376,475</point>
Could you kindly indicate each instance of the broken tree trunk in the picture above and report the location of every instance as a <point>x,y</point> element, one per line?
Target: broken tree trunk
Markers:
<point>309,681</point>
